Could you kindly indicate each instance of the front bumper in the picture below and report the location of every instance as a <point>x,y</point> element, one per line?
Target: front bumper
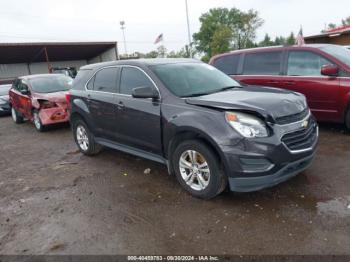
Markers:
<point>260,163</point>
<point>249,184</point>
<point>54,116</point>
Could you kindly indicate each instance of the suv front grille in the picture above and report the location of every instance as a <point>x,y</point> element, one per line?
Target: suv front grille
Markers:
<point>292,118</point>
<point>302,139</point>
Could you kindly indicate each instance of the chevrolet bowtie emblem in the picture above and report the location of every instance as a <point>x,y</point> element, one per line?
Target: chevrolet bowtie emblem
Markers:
<point>305,124</point>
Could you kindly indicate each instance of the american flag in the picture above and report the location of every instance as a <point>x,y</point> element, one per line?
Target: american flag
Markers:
<point>159,39</point>
<point>300,38</point>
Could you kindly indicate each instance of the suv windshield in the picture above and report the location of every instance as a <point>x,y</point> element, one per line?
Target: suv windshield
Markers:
<point>51,84</point>
<point>193,79</point>
<point>339,52</point>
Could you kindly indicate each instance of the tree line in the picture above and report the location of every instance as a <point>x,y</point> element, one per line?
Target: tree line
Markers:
<point>223,30</point>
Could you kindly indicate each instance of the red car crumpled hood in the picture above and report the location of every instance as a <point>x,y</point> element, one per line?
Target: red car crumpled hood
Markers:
<point>57,97</point>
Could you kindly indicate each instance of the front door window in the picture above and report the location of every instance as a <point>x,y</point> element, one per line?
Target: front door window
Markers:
<point>303,63</point>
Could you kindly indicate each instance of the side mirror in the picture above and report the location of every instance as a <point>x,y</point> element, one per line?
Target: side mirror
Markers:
<point>145,92</point>
<point>329,70</point>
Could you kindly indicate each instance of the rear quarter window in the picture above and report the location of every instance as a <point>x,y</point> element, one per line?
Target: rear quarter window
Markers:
<point>227,64</point>
<point>81,79</point>
<point>106,80</point>
<point>262,63</point>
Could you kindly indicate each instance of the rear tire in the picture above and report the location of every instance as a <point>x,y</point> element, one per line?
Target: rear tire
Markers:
<point>16,116</point>
<point>198,170</point>
<point>347,119</point>
<point>37,121</point>
<point>85,139</point>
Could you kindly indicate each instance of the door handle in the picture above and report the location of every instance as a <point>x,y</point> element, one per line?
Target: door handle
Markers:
<point>273,82</point>
<point>120,105</point>
<point>88,98</point>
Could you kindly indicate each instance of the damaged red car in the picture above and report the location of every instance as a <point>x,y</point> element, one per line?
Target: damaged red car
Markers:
<point>40,99</point>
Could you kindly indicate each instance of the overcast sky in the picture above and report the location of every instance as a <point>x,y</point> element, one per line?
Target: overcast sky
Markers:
<point>98,20</point>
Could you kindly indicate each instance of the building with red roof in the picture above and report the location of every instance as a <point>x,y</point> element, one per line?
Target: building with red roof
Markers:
<point>338,36</point>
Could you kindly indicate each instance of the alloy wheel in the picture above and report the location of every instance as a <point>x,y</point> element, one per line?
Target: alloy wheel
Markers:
<point>13,114</point>
<point>194,170</point>
<point>36,120</point>
<point>82,138</point>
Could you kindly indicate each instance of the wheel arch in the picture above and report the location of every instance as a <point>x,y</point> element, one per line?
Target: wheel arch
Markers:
<point>75,116</point>
<point>191,134</point>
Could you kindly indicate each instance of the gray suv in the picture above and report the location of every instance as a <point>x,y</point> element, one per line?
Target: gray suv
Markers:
<point>204,126</point>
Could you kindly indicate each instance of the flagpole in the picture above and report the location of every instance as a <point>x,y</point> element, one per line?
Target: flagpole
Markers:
<point>188,31</point>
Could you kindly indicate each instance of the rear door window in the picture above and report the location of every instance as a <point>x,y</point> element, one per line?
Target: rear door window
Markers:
<point>262,63</point>
<point>132,78</point>
<point>106,80</point>
<point>304,63</point>
<point>228,64</point>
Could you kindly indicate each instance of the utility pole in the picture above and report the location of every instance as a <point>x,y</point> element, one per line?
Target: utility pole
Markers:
<point>188,31</point>
<point>122,27</point>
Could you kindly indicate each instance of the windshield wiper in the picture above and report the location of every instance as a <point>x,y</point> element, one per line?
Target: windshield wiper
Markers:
<point>228,88</point>
<point>198,94</point>
<point>213,92</point>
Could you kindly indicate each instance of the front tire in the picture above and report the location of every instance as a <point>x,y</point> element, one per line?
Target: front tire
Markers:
<point>85,139</point>
<point>37,121</point>
<point>197,168</point>
<point>16,116</point>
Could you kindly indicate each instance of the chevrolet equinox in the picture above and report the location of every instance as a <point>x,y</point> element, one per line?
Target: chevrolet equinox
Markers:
<point>204,126</point>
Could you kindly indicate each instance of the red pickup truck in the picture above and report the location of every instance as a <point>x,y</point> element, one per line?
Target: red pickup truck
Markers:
<point>319,71</point>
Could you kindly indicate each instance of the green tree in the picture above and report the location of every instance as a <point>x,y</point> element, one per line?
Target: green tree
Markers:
<point>291,40</point>
<point>152,54</point>
<point>280,40</point>
<point>221,41</point>
<point>332,26</point>
<point>247,27</point>
<point>251,44</point>
<point>162,51</point>
<point>266,42</point>
<point>346,21</point>
<point>182,53</point>
<point>232,27</point>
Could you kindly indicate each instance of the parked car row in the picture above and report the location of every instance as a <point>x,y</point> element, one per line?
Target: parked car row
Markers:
<point>207,128</point>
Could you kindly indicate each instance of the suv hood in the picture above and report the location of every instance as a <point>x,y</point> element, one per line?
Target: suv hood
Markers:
<point>268,102</point>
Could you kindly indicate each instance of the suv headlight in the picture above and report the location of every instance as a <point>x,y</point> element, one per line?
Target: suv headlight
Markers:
<point>247,125</point>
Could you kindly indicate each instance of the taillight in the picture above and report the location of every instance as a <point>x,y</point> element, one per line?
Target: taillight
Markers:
<point>68,98</point>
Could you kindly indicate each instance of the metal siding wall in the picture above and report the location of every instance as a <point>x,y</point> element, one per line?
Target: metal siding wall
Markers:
<point>41,68</point>
<point>109,55</point>
<point>94,60</point>
<point>13,70</point>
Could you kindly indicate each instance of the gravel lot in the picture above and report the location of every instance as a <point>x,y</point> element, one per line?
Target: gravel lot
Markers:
<point>53,200</point>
